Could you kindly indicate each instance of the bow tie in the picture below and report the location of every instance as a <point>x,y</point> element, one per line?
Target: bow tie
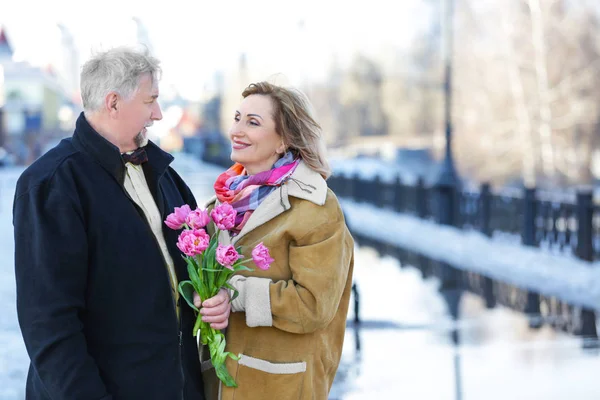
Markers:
<point>138,157</point>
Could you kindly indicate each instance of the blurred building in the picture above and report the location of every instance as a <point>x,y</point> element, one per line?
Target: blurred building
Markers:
<point>34,103</point>
<point>232,84</point>
<point>69,63</point>
<point>141,33</point>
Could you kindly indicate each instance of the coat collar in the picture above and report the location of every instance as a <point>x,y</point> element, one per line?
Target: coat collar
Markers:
<point>307,184</point>
<point>86,139</point>
<point>304,183</point>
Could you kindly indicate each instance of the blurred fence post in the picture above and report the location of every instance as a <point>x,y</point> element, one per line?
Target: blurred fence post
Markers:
<point>340,184</point>
<point>399,195</point>
<point>420,206</point>
<point>421,199</point>
<point>334,184</point>
<point>529,218</point>
<point>585,251</point>
<point>375,192</point>
<point>532,306</point>
<point>485,204</point>
<point>345,188</point>
<point>485,207</point>
<point>352,186</point>
<point>585,214</point>
<point>356,304</point>
<point>446,196</point>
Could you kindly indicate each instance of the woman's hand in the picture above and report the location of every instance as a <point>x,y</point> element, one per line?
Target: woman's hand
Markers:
<point>215,310</point>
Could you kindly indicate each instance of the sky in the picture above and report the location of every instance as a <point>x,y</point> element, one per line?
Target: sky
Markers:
<point>196,39</point>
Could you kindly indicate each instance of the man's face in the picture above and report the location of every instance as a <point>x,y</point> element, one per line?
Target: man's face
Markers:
<point>138,113</point>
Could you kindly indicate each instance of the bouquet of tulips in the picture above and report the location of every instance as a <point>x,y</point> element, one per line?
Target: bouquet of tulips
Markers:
<point>210,265</point>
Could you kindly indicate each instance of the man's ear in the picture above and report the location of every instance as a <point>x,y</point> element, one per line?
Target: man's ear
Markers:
<point>111,103</point>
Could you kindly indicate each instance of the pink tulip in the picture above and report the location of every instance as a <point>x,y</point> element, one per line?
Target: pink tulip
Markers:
<point>193,242</point>
<point>227,255</point>
<point>261,257</point>
<point>176,220</point>
<point>224,216</point>
<point>197,219</point>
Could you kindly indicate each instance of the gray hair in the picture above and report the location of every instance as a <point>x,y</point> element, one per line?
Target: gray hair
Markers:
<point>116,70</point>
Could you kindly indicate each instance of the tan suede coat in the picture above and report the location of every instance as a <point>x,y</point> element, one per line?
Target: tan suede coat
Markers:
<point>289,321</point>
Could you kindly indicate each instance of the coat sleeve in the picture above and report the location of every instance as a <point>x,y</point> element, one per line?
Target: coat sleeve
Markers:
<point>320,263</point>
<point>51,273</point>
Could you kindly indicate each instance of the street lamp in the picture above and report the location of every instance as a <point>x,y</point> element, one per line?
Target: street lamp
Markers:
<point>447,176</point>
<point>447,185</point>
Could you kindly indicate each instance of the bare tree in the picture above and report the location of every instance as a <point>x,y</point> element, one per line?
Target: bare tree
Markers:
<point>526,104</point>
<point>538,38</point>
<point>533,72</point>
<point>523,118</point>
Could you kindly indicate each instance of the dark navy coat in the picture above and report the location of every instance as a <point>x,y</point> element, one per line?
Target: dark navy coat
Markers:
<point>93,292</point>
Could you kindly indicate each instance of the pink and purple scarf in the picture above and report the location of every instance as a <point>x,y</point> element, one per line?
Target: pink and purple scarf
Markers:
<point>245,192</point>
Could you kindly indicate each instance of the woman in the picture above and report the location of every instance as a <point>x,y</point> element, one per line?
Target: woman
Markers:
<point>288,322</point>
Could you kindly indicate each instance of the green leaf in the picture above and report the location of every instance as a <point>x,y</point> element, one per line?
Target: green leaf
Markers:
<point>197,326</point>
<point>223,277</point>
<point>214,345</point>
<point>204,327</point>
<point>212,270</point>
<point>201,259</point>
<point>235,291</point>
<point>222,347</point>
<point>218,355</point>
<point>242,268</point>
<point>224,376</point>
<point>186,288</point>
<point>210,254</point>
<point>205,264</point>
<point>192,271</point>
<point>210,263</point>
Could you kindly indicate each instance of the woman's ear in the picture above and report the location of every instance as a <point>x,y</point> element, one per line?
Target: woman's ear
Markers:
<point>281,149</point>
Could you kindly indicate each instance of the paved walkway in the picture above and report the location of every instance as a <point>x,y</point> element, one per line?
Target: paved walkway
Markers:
<point>403,349</point>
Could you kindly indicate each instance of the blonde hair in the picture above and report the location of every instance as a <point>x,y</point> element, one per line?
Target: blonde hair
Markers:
<point>295,124</point>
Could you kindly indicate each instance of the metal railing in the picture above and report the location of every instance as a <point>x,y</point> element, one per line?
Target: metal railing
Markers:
<point>558,225</point>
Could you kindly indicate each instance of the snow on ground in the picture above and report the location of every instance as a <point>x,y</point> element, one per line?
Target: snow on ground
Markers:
<point>13,358</point>
<point>368,168</point>
<point>406,351</point>
<point>572,280</point>
<point>499,357</point>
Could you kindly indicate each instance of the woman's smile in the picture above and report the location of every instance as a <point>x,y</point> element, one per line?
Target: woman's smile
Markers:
<point>237,145</point>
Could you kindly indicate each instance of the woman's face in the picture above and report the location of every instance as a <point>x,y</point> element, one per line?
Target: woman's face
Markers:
<point>254,142</point>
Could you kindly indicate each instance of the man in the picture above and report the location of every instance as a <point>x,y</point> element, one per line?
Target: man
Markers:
<point>96,272</point>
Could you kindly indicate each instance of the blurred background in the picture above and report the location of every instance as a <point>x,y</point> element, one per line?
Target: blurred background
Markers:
<point>465,141</point>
